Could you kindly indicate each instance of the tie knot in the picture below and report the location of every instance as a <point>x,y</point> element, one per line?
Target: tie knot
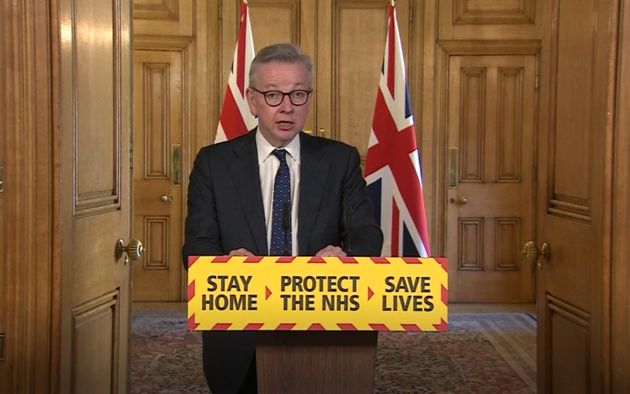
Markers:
<point>281,154</point>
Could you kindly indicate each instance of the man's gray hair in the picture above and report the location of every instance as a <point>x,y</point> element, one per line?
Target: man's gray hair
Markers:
<point>283,53</point>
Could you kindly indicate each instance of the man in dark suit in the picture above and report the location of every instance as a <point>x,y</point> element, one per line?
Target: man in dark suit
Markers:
<point>246,198</point>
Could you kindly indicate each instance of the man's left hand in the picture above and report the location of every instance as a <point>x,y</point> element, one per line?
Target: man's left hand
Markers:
<point>331,251</point>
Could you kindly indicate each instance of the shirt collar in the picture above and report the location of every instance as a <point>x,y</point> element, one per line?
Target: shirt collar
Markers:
<point>264,148</point>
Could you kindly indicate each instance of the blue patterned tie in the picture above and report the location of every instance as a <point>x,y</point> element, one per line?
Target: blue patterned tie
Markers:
<point>281,210</point>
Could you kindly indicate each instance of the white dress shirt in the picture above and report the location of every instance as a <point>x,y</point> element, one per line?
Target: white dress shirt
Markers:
<point>268,165</point>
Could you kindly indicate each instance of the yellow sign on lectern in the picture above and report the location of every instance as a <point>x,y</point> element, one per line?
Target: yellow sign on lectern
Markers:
<point>317,293</point>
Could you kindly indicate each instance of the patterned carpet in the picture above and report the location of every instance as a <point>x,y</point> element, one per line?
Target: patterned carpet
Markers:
<point>480,353</point>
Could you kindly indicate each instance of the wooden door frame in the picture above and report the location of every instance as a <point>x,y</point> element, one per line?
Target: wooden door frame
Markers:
<point>446,49</point>
<point>200,50</point>
<point>620,275</point>
<point>184,45</point>
<point>30,142</point>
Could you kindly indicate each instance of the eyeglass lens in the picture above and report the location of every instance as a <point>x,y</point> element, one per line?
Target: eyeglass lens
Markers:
<point>274,98</point>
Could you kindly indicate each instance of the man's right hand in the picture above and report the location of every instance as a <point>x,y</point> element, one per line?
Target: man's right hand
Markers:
<point>240,252</point>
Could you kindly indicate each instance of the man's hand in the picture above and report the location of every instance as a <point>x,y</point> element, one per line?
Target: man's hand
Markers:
<point>240,252</point>
<point>331,251</point>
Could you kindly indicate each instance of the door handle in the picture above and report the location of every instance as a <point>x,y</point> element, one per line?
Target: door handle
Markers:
<point>166,198</point>
<point>459,200</point>
<point>453,166</point>
<point>531,252</point>
<point>176,154</point>
<point>134,250</point>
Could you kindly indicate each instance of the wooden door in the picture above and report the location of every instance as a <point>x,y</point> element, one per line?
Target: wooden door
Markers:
<point>574,198</point>
<point>157,174</point>
<point>93,98</point>
<point>490,211</point>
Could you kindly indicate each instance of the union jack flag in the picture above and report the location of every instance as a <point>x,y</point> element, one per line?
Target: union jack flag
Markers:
<point>235,118</point>
<point>392,167</point>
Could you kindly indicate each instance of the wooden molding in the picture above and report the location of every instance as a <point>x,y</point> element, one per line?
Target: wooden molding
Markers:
<point>154,42</point>
<point>493,12</point>
<point>29,266</point>
<point>176,17</point>
<point>491,19</point>
<point>163,9</point>
<point>620,330</point>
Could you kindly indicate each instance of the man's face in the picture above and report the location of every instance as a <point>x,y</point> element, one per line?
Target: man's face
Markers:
<point>279,124</point>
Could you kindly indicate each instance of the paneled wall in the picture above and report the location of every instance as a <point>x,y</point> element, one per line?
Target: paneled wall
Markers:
<point>583,339</point>
<point>182,56</point>
<point>192,44</point>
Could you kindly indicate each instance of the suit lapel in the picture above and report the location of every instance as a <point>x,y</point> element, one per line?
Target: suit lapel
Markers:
<point>246,176</point>
<point>313,174</point>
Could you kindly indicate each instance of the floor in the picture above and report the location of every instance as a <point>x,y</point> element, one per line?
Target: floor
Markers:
<point>483,352</point>
<point>459,308</point>
<point>482,308</point>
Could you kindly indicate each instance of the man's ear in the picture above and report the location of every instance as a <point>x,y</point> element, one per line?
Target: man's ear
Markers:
<point>249,93</point>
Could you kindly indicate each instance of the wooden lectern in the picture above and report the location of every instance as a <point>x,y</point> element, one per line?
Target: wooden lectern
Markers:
<point>269,294</point>
<point>316,361</point>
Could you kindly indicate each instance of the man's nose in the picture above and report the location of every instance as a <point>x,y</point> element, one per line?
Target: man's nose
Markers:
<point>285,104</point>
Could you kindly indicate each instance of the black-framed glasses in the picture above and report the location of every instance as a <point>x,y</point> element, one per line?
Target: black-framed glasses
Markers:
<point>273,98</point>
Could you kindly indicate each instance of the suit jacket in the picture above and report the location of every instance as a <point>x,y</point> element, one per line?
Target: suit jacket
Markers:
<point>225,212</point>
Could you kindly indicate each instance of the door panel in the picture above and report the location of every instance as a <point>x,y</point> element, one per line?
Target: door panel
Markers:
<point>170,13</point>
<point>490,213</point>
<point>271,22</point>
<point>503,19</point>
<point>157,173</point>
<point>96,350</point>
<point>94,109</point>
<point>574,199</point>
<point>350,66</point>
